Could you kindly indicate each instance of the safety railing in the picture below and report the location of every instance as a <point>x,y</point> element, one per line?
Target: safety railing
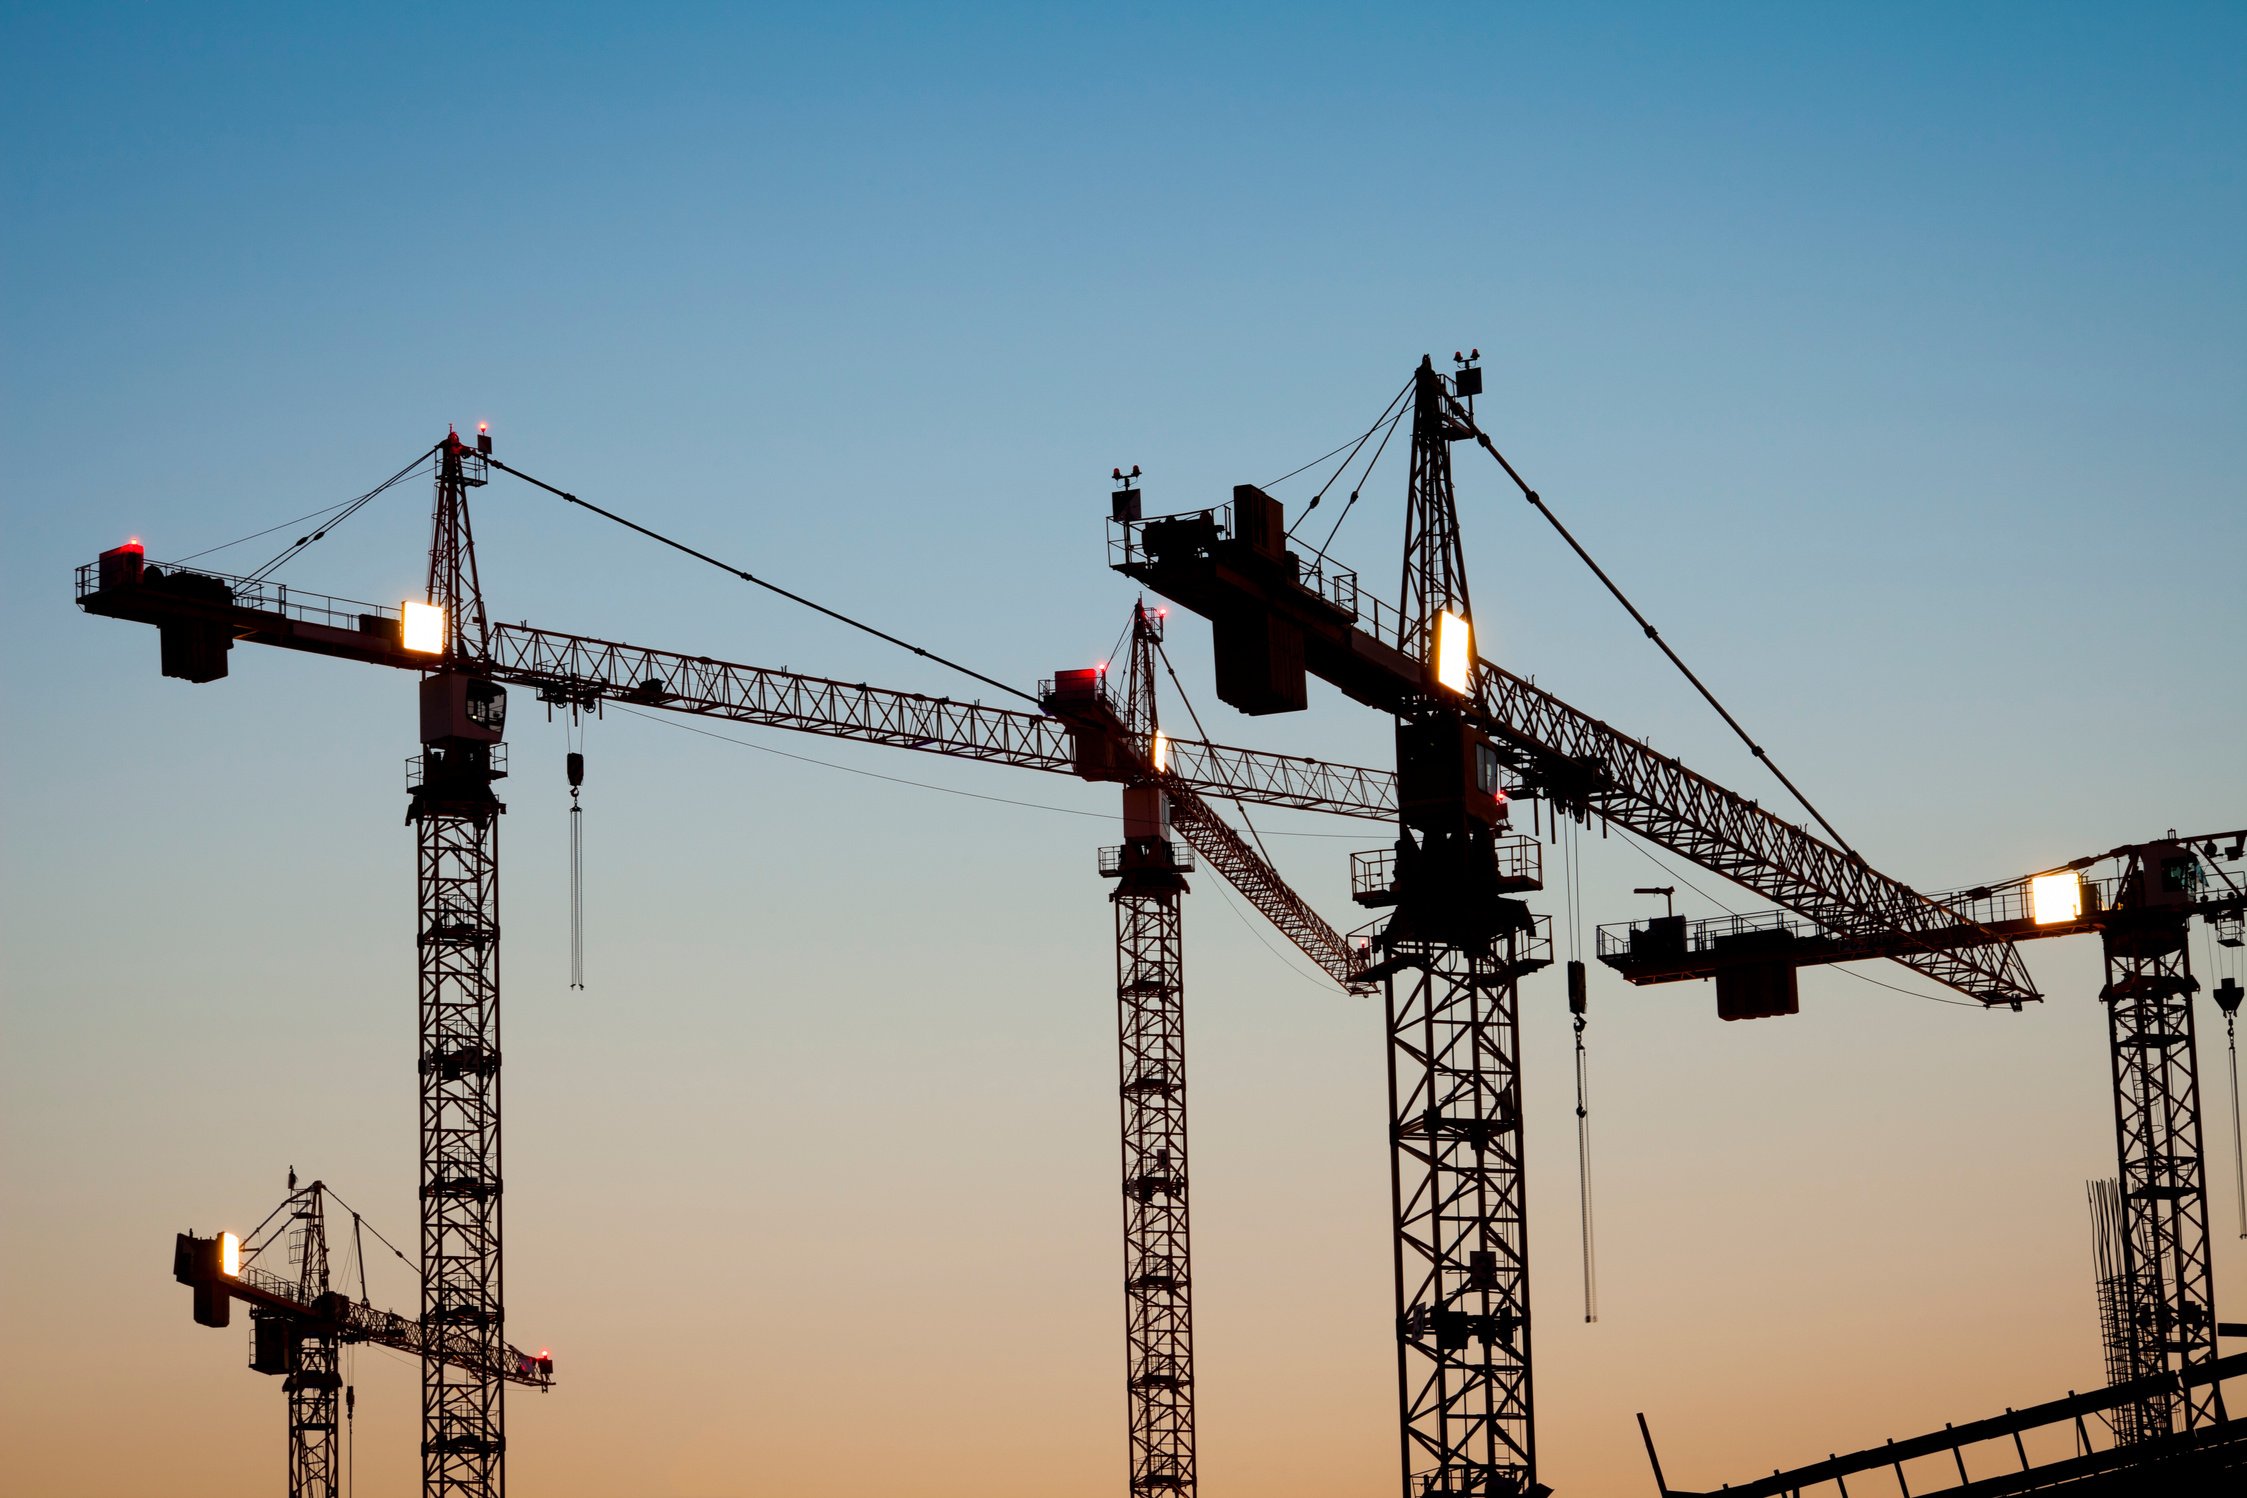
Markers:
<point>1159,854</point>
<point>1078,689</point>
<point>1137,542</point>
<point>2000,907</point>
<point>1635,938</point>
<point>1373,873</point>
<point>417,769</point>
<point>262,596</point>
<point>1521,863</point>
<point>1373,876</point>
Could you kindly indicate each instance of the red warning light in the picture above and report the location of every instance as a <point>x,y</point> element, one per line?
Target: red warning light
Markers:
<point>132,545</point>
<point>483,426</point>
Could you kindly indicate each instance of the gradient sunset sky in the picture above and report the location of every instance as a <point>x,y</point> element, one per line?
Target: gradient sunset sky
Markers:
<point>1893,357</point>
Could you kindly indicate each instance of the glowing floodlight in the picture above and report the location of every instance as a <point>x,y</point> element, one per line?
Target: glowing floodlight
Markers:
<point>1162,752</point>
<point>1455,651</point>
<point>229,1255</point>
<point>424,627</point>
<point>2055,899</point>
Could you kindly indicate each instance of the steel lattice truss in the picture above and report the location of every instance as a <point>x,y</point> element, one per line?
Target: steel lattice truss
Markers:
<point>1462,1236</point>
<point>1243,868</point>
<point>574,667</point>
<point>2165,1268</point>
<point>1655,796</point>
<point>358,1322</point>
<point>313,1376</point>
<point>462,1316</point>
<point>1158,1288</point>
<point>312,1386</point>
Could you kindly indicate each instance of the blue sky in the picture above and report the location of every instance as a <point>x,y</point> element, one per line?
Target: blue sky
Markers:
<point>1893,358</point>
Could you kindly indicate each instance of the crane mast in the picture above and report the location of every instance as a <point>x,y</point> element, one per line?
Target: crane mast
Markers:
<point>2169,1287</point>
<point>1150,873</point>
<point>309,1364</point>
<point>1451,958</point>
<point>455,815</point>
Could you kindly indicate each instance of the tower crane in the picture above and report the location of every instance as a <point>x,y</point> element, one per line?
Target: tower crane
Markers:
<point>299,1325</point>
<point>1458,942</point>
<point>2140,899</point>
<point>466,661</point>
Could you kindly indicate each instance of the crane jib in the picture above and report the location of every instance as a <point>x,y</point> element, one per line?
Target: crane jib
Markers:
<point>564,667</point>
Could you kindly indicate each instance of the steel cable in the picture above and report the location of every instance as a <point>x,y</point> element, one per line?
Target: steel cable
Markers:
<point>1537,500</point>
<point>770,587</point>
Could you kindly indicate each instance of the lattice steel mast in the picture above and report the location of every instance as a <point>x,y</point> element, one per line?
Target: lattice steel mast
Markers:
<point>1451,957</point>
<point>1149,869</point>
<point>456,824</point>
<point>313,1371</point>
<point>2170,1289</point>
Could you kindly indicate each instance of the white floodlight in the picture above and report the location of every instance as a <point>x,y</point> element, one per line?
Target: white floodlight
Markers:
<point>1455,651</point>
<point>2055,899</point>
<point>229,1255</point>
<point>1162,752</point>
<point>423,627</point>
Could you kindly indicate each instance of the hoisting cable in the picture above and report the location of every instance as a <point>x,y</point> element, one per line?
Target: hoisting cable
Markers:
<point>269,530</point>
<point>1355,446</point>
<point>1238,805</point>
<point>350,1419</point>
<point>1359,487</point>
<point>1357,441</point>
<point>1653,634</point>
<point>1572,882</point>
<point>349,509</point>
<point>770,587</point>
<point>2223,960</point>
<point>2238,1159</point>
<point>370,1227</point>
<point>574,766</point>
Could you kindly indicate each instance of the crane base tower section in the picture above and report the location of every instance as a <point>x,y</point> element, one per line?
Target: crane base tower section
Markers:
<point>456,829</point>
<point>1158,1290</point>
<point>1462,1232</point>
<point>2169,1325</point>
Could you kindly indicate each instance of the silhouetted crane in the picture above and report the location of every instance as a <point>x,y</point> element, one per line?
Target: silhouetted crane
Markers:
<point>299,1324</point>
